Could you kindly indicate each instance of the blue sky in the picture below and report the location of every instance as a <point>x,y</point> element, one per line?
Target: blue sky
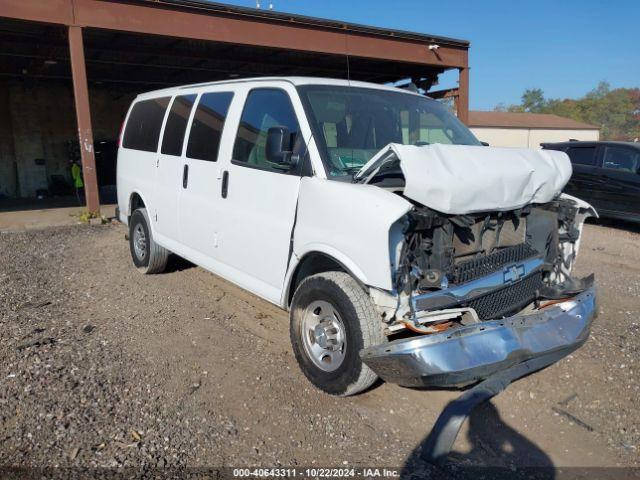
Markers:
<point>564,47</point>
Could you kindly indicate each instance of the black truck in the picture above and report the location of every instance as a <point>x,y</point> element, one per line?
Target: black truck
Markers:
<point>605,174</point>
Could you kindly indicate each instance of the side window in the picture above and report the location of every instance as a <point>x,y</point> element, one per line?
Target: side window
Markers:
<point>143,127</point>
<point>206,129</point>
<point>176,125</point>
<point>264,108</point>
<point>620,158</point>
<point>582,155</point>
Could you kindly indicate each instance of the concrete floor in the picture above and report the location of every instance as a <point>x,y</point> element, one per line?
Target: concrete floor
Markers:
<point>21,220</point>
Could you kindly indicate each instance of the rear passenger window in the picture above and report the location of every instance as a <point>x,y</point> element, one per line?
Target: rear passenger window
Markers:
<point>177,124</point>
<point>144,124</point>
<point>265,108</point>
<point>206,129</point>
<point>582,155</point>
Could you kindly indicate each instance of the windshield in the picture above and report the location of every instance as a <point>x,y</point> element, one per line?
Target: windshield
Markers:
<point>352,124</point>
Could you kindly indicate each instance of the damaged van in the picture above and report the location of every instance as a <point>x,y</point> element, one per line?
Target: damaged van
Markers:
<point>401,246</point>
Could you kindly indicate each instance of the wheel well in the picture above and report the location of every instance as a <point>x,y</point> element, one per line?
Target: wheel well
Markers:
<point>311,264</point>
<point>135,203</point>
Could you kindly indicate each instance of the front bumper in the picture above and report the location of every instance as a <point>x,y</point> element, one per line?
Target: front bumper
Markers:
<point>472,353</point>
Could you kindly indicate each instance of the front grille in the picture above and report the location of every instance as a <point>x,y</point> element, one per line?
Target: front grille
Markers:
<point>507,300</point>
<point>484,265</point>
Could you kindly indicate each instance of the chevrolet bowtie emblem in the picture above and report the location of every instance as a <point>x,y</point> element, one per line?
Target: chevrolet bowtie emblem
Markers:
<point>513,273</point>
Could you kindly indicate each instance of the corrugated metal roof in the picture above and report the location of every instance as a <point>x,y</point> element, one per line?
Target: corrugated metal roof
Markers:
<point>347,27</point>
<point>525,120</point>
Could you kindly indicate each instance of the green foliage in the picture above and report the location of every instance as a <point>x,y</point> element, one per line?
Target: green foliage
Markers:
<point>616,112</point>
<point>85,216</point>
<point>533,101</point>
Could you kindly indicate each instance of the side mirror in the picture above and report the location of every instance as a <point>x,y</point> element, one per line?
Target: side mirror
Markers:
<point>278,148</point>
<point>485,144</point>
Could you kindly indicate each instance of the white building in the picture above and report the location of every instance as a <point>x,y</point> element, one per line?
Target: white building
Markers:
<point>528,130</point>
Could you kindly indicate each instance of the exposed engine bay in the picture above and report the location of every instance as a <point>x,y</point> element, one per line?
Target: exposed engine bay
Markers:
<point>488,266</point>
<point>458,265</point>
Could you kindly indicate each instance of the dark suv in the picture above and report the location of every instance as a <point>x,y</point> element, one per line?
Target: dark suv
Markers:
<point>605,174</point>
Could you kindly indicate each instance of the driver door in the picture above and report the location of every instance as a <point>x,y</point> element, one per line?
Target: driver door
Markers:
<point>259,198</point>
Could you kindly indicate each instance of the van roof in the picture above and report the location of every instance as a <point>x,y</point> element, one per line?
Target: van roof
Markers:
<point>293,80</point>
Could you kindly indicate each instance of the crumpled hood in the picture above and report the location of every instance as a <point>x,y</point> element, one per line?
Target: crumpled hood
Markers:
<point>459,179</point>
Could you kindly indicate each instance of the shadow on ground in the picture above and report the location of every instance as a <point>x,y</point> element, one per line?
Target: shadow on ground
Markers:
<point>497,452</point>
<point>177,264</point>
<point>615,223</point>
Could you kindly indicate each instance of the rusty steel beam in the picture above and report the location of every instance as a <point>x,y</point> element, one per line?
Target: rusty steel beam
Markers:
<point>202,25</point>
<point>462,103</point>
<point>178,23</point>
<point>83,116</point>
<point>51,11</point>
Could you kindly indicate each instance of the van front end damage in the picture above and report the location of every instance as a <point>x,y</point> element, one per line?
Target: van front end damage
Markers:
<point>484,299</point>
<point>477,294</point>
<point>465,355</point>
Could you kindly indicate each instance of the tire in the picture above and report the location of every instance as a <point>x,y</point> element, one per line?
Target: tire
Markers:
<point>330,296</point>
<point>147,255</point>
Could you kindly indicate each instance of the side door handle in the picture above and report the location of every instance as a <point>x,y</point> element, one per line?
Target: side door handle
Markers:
<point>225,184</point>
<point>185,176</point>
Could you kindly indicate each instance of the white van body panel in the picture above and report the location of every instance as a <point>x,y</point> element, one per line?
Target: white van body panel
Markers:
<point>200,203</point>
<point>167,189</point>
<point>351,223</point>
<point>134,174</point>
<point>256,219</point>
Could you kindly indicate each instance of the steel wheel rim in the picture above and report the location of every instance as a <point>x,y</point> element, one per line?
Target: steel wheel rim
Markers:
<point>139,242</point>
<point>324,336</point>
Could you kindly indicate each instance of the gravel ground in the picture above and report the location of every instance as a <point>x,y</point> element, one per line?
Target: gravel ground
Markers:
<point>101,367</point>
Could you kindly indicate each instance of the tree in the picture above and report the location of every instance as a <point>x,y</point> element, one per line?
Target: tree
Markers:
<point>616,112</point>
<point>533,100</point>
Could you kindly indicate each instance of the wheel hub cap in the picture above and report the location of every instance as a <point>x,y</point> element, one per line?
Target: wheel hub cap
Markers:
<point>323,336</point>
<point>139,242</point>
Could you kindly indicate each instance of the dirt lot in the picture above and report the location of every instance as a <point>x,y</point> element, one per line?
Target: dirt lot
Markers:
<point>103,367</point>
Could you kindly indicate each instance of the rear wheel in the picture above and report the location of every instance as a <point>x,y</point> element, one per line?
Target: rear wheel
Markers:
<point>147,255</point>
<point>332,319</point>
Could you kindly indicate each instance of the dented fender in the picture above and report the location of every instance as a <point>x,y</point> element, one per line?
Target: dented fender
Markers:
<point>356,224</point>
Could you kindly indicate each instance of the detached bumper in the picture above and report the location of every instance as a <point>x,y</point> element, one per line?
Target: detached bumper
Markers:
<point>471,353</point>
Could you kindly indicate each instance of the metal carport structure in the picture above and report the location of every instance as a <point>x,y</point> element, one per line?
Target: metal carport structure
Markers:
<point>139,45</point>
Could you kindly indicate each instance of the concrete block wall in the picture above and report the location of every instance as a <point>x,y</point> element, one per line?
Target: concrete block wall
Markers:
<point>530,137</point>
<point>37,121</point>
<point>27,139</point>
<point>8,168</point>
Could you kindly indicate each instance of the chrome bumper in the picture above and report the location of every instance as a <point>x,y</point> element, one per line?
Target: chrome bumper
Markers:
<point>471,353</point>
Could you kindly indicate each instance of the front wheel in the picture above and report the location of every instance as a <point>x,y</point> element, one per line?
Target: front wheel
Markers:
<point>332,319</point>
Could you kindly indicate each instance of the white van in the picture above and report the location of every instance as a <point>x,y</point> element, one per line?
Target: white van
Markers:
<point>402,247</point>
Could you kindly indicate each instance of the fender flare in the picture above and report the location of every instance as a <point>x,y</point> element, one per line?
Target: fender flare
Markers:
<point>146,205</point>
<point>327,250</point>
